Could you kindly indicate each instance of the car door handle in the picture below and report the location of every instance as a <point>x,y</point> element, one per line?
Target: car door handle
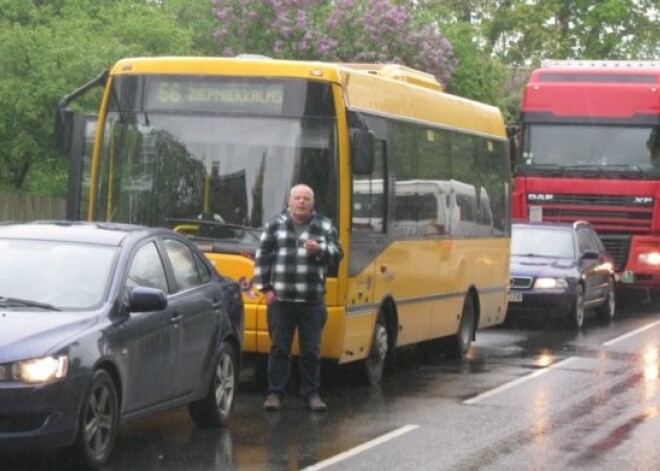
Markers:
<point>176,318</point>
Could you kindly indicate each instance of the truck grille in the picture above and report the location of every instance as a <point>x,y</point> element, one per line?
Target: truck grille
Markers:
<point>618,245</point>
<point>607,213</point>
<point>615,217</point>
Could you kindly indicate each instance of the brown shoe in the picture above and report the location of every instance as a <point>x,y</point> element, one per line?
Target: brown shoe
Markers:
<point>272,403</point>
<point>315,404</point>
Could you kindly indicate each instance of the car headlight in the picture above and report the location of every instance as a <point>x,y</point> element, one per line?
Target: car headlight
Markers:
<point>38,370</point>
<point>546,283</point>
<point>649,258</point>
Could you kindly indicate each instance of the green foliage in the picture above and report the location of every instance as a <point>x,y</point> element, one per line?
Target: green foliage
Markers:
<point>525,32</point>
<point>367,31</point>
<point>497,42</point>
<point>48,48</point>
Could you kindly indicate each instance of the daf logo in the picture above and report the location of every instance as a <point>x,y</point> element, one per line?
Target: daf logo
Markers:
<point>540,197</point>
<point>643,200</point>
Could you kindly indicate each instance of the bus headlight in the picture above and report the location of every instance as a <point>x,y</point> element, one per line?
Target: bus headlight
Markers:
<point>547,283</point>
<point>649,258</point>
<point>38,370</point>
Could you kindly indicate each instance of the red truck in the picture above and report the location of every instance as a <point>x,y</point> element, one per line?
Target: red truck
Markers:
<point>589,149</point>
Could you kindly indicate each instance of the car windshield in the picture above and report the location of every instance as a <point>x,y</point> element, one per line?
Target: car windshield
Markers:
<point>542,242</point>
<point>59,275</point>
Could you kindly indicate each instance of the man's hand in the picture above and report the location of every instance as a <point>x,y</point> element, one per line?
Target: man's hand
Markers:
<point>311,246</point>
<point>269,296</point>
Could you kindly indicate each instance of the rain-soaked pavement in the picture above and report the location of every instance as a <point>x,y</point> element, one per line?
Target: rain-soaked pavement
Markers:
<point>529,396</point>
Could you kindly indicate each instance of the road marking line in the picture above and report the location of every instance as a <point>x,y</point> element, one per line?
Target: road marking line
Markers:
<point>630,334</point>
<point>518,381</point>
<point>360,448</point>
<point>504,387</point>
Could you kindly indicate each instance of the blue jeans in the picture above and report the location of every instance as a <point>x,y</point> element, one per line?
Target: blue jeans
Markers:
<point>283,319</point>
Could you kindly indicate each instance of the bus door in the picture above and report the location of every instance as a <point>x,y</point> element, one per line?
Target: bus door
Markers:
<point>80,147</point>
<point>368,240</point>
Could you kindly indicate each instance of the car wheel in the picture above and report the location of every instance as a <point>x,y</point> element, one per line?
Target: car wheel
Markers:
<point>98,423</point>
<point>458,345</point>
<point>577,315</point>
<point>607,310</point>
<point>214,410</point>
<point>374,364</point>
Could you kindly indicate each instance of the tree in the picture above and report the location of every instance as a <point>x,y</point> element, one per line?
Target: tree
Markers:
<point>523,32</point>
<point>478,75</point>
<point>374,31</point>
<point>47,49</point>
<point>498,42</point>
<point>196,17</point>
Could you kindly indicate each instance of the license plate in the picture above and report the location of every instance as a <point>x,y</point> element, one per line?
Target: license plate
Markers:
<point>515,297</point>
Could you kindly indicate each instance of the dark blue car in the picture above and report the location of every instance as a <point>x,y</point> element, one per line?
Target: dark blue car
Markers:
<point>101,323</point>
<point>560,269</point>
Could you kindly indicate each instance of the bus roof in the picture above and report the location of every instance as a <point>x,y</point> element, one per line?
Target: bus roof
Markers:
<point>601,89</point>
<point>375,88</point>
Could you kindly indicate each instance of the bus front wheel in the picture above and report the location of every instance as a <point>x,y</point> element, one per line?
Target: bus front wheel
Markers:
<point>374,364</point>
<point>458,345</point>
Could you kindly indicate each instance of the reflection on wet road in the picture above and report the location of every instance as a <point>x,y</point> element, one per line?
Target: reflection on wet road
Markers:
<point>527,397</point>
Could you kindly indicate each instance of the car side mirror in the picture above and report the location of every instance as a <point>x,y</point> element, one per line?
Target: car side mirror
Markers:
<point>143,299</point>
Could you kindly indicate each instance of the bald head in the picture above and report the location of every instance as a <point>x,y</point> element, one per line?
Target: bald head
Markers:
<point>301,203</point>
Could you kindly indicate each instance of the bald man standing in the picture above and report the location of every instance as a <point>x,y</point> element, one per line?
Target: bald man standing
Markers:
<point>295,251</point>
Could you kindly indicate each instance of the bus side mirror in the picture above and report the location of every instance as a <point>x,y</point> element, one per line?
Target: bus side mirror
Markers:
<point>362,151</point>
<point>63,128</point>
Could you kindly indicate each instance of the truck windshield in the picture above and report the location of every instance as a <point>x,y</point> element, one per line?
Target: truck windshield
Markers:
<point>611,148</point>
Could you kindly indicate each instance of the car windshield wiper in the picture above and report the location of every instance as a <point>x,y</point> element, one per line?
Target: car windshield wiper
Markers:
<point>17,302</point>
<point>254,232</point>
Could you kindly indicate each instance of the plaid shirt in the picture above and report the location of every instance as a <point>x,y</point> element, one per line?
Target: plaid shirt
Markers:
<point>283,265</point>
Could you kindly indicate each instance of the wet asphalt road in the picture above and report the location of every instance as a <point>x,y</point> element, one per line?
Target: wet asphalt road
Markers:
<point>530,397</point>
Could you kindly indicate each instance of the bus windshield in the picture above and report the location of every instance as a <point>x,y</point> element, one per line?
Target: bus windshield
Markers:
<point>610,148</point>
<point>177,149</point>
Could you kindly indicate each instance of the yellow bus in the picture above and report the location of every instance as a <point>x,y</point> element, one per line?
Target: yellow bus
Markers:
<point>212,146</point>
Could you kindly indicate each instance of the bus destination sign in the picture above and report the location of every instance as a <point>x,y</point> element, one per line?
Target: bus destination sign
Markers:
<point>214,94</point>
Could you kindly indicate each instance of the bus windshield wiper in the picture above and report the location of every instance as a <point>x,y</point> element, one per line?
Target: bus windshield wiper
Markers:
<point>18,302</point>
<point>253,231</point>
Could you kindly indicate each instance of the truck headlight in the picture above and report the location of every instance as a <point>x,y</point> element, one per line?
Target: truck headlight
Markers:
<point>649,258</point>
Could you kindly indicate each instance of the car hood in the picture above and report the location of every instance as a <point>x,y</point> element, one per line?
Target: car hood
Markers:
<point>32,334</point>
<point>541,266</point>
